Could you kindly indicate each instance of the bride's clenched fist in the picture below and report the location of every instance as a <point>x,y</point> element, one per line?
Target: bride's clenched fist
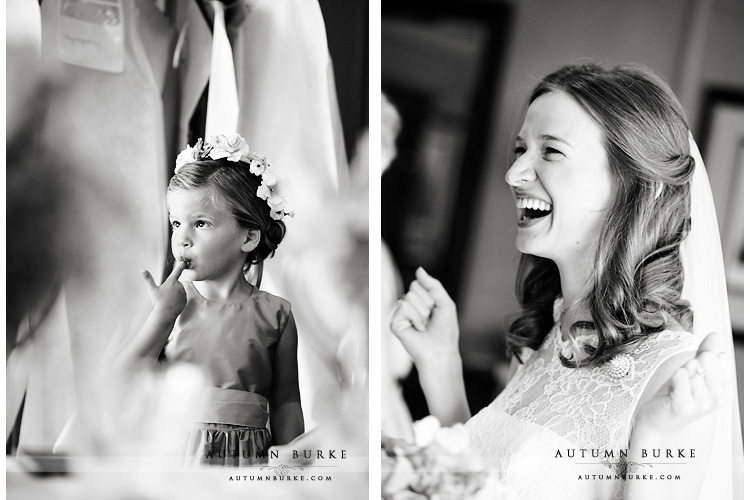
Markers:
<point>425,321</point>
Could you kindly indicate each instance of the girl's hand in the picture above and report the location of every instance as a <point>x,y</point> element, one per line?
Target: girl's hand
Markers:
<point>170,298</point>
<point>696,389</point>
<point>425,321</point>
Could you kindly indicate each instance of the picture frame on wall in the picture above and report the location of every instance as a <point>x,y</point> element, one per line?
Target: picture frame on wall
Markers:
<point>440,68</point>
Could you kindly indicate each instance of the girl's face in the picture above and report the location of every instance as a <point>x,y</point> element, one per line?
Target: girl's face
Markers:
<point>561,181</point>
<point>207,237</point>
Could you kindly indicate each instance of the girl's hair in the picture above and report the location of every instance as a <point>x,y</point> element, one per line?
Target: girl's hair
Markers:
<point>637,277</point>
<point>231,185</point>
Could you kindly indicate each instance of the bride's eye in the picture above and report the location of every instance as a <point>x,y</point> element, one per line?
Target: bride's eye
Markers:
<point>551,152</point>
<point>518,151</point>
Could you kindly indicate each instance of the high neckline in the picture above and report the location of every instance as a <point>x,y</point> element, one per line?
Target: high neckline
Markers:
<point>237,303</point>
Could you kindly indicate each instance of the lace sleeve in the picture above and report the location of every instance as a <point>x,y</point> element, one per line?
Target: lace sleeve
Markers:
<point>660,352</point>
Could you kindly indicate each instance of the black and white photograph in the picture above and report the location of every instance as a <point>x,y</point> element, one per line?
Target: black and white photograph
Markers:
<point>187,256</point>
<point>212,292</point>
<point>562,249</point>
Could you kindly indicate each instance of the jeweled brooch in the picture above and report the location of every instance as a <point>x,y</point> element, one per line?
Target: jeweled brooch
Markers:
<point>620,367</point>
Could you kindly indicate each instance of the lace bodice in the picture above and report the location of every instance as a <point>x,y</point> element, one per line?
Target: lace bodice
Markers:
<point>548,409</point>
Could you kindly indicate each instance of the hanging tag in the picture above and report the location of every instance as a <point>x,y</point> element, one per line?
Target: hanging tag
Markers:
<point>91,34</point>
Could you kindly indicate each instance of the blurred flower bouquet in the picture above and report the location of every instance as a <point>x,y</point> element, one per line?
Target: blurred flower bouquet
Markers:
<point>440,465</point>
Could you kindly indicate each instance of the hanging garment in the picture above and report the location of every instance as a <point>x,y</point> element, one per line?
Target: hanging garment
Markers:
<point>109,129</point>
<point>289,112</point>
<point>223,104</point>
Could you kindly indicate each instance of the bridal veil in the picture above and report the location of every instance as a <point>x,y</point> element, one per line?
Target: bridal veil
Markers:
<point>705,288</point>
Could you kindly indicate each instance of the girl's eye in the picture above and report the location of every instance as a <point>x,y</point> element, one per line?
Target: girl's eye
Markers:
<point>519,151</point>
<point>201,224</point>
<point>175,224</point>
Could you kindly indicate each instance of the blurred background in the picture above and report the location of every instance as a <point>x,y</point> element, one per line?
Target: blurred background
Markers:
<point>102,95</point>
<point>459,74</point>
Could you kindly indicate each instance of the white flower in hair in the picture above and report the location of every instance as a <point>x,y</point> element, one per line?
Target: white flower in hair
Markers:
<point>188,155</point>
<point>232,147</point>
<point>275,190</point>
<point>258,164</point>
<point>276,202</point>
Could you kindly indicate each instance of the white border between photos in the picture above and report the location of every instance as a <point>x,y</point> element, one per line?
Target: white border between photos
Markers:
<point>374,253</point>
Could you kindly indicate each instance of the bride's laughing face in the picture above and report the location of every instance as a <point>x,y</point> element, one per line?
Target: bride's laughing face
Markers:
<point>561,181</point>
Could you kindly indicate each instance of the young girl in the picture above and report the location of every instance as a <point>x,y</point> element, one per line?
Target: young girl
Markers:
<point>226,209</point>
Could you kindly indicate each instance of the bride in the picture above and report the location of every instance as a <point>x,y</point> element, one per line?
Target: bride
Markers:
<point>613,396</point>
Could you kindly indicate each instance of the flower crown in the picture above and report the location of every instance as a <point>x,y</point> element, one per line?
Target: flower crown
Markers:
<point>233,147</point>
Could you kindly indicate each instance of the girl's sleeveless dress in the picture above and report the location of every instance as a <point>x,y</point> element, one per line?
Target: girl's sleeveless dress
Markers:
<point>557,432</point>
<point>234,344</point>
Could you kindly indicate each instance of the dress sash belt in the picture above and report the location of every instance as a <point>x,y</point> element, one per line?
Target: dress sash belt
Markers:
<point>230,406</point>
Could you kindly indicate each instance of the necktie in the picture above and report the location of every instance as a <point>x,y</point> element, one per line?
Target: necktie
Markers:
<point>223,103</point>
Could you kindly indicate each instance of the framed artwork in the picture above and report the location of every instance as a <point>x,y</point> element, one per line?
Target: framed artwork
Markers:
<point>722,144</point>
<point>440,64</point>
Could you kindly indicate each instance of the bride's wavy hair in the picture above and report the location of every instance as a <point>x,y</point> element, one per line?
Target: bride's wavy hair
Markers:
<point>637,277</point>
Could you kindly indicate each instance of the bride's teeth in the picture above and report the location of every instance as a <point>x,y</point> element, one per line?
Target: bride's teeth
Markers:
<point>531,204</point>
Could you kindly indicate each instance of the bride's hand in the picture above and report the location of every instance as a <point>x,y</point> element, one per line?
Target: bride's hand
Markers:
<point>425,321</point>
<point>696,389</point>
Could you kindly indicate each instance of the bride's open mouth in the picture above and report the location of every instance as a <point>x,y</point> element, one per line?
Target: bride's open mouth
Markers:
<point>530,209</point>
